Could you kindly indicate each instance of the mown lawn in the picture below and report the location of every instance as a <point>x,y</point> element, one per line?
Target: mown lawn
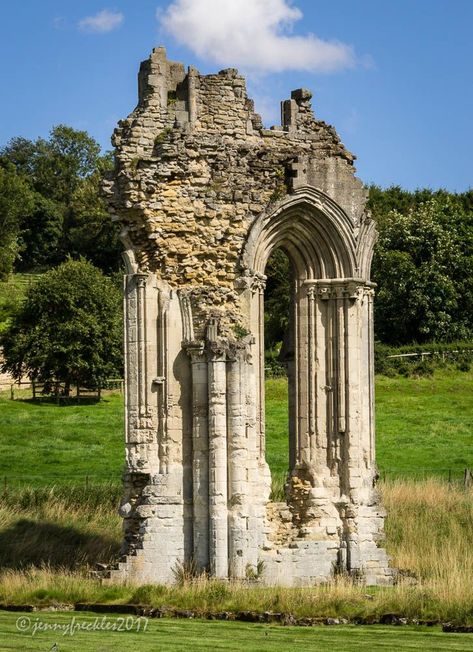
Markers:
<point>42,443</point>
<point>173,635</point>
<point>424,427</point>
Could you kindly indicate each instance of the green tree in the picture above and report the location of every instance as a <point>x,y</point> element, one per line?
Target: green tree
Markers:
<point>423,265</point>
<point>67,330</point>
<point>91,233</point>
<point>69,216</point>
<point>16,199</point>
<point>40,235</point>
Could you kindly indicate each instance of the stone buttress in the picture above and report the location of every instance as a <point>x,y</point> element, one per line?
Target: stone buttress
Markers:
<point>204,193</point>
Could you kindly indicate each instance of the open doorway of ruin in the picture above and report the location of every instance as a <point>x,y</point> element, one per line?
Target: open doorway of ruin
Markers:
<point>278,367</point>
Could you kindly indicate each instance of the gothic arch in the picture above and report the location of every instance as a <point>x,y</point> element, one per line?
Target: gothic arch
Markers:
<point>314,229</point>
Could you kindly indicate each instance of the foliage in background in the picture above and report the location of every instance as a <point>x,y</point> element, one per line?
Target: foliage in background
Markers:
<point>277,300</point>
<point>423,265</point>
<point>16,198</point>
<point>65,214</point>
<point>390,361</point>
<point>68,329</point>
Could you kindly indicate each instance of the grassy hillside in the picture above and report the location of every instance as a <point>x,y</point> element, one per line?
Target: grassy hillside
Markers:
<point>12,292</point>
<point>424,427</point>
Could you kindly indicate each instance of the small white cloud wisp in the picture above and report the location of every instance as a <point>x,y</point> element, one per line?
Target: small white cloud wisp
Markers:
<point>102,22</point>
<point>254,35</point>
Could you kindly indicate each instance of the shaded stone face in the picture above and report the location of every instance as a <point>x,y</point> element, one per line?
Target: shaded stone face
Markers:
<point>204,194</point>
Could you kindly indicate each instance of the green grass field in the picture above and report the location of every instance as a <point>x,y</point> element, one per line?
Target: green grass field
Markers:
<point>42,443</point>
<point>424,427</point>
<point>174,635</point>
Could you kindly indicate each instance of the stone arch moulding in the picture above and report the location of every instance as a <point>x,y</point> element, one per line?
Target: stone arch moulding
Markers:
<point>314,227</point>
<point>204,193</point>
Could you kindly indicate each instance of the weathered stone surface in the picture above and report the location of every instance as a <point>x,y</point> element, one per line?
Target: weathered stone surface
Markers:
<point>204,194</point>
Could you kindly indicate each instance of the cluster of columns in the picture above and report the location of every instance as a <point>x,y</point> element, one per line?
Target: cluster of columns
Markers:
<point>196,422</point>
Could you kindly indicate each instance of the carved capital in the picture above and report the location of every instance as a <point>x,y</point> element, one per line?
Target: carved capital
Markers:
<point>195,349</point>
<point>251,280</point>
<point>140,280</point>
<point>335,288</point>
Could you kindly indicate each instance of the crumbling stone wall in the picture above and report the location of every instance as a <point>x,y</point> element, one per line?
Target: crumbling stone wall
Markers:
<point>204,193</point>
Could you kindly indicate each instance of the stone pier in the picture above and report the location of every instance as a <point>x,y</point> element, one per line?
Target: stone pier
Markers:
<point>204,194</point>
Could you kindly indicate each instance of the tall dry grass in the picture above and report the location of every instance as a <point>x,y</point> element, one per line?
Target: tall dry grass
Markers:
<point>429,534</point>
<point>59,527</point>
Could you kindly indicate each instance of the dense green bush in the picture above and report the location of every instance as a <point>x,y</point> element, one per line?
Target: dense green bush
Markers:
<point>435,355</point>
<point>423,265</point>
<point>68,329</point>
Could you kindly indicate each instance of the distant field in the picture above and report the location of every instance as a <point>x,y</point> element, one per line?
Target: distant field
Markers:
<point>42,443</point>
<point>424,427</point>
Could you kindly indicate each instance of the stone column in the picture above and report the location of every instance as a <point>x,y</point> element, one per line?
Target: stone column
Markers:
<point>200,453</point>
<point>218,491</point>
<point>237,460</point>
<point>140,343</point>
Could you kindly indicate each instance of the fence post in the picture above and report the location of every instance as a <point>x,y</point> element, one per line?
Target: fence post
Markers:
<point>468,479</point>
<point>5,484</point>
<point>12,393</point>
<point>449,476</point>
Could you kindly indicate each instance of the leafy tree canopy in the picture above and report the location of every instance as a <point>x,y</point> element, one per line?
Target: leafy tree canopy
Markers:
<point>69,217</point>
<point>68,329</point>
<point>16,199</point>
<point>423,265</point>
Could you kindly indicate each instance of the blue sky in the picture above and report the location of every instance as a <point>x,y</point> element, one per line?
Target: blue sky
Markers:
<point>393,76</point>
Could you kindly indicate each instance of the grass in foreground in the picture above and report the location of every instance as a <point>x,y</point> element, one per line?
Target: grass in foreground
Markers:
<point>428,533</point>
<point>174,635</point>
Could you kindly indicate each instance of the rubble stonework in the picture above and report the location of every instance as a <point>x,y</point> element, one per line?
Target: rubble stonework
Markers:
<point>204,193</point>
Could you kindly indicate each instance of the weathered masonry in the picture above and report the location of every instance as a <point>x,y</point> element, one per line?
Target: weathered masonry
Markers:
<point>204,194</point>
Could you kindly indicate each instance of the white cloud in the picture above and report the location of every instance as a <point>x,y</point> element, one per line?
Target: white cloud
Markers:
<point>102,22</point>
<point>251,34</point>
<point>59,22</point>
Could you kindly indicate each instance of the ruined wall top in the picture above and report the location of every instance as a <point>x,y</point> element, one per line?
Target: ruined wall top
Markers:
<point>195,169</point>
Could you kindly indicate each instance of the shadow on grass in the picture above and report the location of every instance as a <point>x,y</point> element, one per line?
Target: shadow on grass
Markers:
<point>64,401</point>
<point>36,543</point>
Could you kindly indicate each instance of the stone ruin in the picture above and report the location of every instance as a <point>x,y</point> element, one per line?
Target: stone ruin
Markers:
<point>204,194</point>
